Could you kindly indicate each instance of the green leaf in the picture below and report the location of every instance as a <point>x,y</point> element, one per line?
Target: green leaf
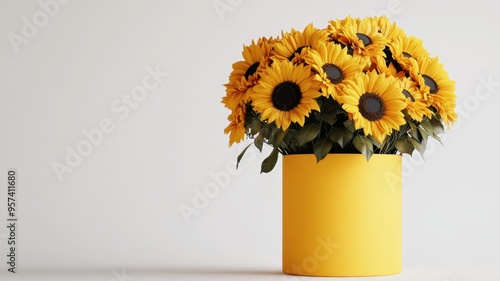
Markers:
<point>277,136</point>
<point>241,155</point>
<point>252,124</point>
<point>404,145</point>
<point>423,134</point>
<point>349,124</point>
<point>308,133</point>
<point>342,137</point>
<point>259,142</point>
<point>420,147</point>
<point>265,132</point>
<point>255,129</point>
<point>374,141</point>
<point>433,128</point>
<point>426,124</point>
<point>332,107</point>
<point>322,147</point>
<point>437,126</point>
<point>328,118</point>
<point>436,137</point>
<point>414,130</point>
<point>270,161</point>
<point>363,145</point>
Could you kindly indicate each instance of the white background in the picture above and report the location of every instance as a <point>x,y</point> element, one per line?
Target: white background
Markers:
<point>116,214</point>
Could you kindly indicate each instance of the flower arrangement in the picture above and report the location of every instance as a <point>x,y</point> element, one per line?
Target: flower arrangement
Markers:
<point>356,86</point>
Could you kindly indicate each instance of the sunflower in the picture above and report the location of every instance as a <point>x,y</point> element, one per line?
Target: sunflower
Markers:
<point>416,106</point>
<point>391,68</point>
<point>286,93</point>
<point>362,36</point>
<point>405,47</point>
<point>438,88</point>
<point>375,103</point>
<point>294,45</point>
<point>334,67</point>
<point>336,28</point>
<point>245,73</point>
<point>236,127</point>
<point>389,29</point>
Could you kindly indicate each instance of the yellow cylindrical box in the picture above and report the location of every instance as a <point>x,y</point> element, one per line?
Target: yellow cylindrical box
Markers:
<point>342,215</point>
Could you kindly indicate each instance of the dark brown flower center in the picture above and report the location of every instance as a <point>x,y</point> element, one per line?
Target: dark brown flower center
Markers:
<point>333,72</point>
<point>408,95</point>
<point>298,51</point>
<point>286,96</point>
<point>431,83</point>
<point>251,70</point>
<point>371,106</point>
<point>364,38</point>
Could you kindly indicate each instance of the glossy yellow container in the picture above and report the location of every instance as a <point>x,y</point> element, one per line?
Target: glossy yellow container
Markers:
<point>342,215</point>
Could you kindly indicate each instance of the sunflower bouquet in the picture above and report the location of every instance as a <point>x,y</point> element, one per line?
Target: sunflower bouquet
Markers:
<point>360,85</point>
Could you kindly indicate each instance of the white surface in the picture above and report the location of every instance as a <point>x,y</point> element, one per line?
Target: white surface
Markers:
<point>187,274</point>
<point>119,207</point>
